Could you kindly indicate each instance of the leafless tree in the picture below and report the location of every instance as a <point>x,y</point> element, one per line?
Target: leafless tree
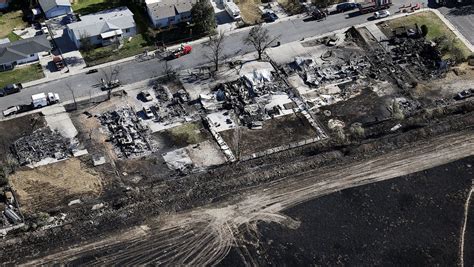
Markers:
<point>69,87</point>
<point>169,71</point>
<point>260,39</point>
<point>216,49</point>
<point>85,40</point>
<point>110,74</point>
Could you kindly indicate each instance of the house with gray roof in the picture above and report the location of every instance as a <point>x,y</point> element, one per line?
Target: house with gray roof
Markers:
<point>55,8</point>
<point>164,13</point>
<point>103,28</point>
<point>22,51</point>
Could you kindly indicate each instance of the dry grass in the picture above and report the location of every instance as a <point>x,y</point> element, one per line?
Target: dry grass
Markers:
<point>48,186</point>
<point>292,7</point>
<point>249,11</point>
<point>9,21</point>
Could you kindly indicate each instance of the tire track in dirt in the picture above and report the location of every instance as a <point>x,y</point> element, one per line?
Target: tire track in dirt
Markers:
<point>205,235</point>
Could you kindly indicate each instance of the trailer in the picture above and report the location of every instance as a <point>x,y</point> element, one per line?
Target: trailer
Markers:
<point>372,6</point>
<point>233,10</point>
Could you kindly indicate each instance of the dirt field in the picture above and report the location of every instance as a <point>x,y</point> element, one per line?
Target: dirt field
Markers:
<point>50,186</point>
<point>11,130</point>
<point>276,132</point>
<point>181,136</point>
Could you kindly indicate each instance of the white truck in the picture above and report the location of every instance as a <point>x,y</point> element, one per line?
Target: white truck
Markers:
<point>43,99</point>
<point>233,10</point>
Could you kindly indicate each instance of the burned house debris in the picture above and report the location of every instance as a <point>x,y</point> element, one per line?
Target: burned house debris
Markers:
<point>249,97</point>
<point>43,144</point>
<point>127,132</point>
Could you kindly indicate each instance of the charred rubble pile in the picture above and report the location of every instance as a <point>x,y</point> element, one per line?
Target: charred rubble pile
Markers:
<point>127,133</point>
<point>421,57</point>
<point>41,144</point>
<point>170,106</point>
<point>248,95</point>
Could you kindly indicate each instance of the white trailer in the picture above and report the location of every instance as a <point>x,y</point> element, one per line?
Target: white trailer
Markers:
<point>233,10</point>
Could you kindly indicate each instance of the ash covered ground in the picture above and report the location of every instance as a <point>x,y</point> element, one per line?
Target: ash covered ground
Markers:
<point>411,220</point>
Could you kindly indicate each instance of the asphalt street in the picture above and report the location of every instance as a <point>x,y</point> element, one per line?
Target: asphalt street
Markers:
<point>88,85</point>
<point>462,18</point>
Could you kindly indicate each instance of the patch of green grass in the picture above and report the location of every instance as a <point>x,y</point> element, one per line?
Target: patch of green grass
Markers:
<point>13,37</point>
<point>436,29</point>
<point>189,133</point>
<point>106,54</point>
<point>84,7</point>
<point>21,74</point>
<point>9,21</point>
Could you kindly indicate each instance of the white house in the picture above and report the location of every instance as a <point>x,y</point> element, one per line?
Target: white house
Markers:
<point>164,13</point>
<point>22,51</point>
<point>55,8</point>
<point>103,28</point>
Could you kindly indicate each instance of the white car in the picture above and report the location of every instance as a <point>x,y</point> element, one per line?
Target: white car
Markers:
<point>11,110</point>
<point>146,95</point>
<point>381,14</point>
<point>148,113</point>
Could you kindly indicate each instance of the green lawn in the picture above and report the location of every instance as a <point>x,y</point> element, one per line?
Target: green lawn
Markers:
<point>9,21</point>
<point>436,28</point>
<point>91,6</point>
<point>21,75</point>
<point>106,54</point>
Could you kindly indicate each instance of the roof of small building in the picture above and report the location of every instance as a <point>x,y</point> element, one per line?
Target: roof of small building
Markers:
<point>21,49</point>
<point>104,21</point>
<point>50,4</point>
<point>169,8</point>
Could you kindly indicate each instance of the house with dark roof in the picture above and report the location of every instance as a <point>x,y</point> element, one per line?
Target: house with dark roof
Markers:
<point>22,51</point>
<point>103,28</point>
<point>55,8</point>
<point>164,13</point>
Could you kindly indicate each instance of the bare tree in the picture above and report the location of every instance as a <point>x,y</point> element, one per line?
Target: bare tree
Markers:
<point>216,48</point>
<point>69,87</point>
<point>169,71</point>
<point>260,39</point>
<point>85,40</point>
<point>110,74</point>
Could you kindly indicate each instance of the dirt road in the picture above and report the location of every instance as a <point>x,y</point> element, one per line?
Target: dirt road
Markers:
<point>204,236</point>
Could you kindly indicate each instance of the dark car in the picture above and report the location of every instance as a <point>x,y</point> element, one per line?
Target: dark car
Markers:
<point>11,89</point>
<point>464,94</point>
<point>91,71</point>
<point>269,17</point>
<point>346,7</point>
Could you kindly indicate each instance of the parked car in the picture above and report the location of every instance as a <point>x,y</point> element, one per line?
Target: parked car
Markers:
<point>464,94</point>
<point>147,112</point>
<point>269,16</point>
<point>343,7</point>
<point>91,71</point>
<point>145,94</point>
<point>381,14</point>
<point>11,110</point>
<point>11,89</point>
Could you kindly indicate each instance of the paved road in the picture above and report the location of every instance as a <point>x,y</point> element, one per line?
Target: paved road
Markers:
<point>462,18</point>
<point>132,71</point>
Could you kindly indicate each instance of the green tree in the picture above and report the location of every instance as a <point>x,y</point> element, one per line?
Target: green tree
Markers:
<point>203,17</point>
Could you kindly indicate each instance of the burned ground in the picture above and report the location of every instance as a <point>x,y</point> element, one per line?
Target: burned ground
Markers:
<point>366,108</point>
<point>276,132</point>
<point>11,130</point>
<point>411,220</point>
